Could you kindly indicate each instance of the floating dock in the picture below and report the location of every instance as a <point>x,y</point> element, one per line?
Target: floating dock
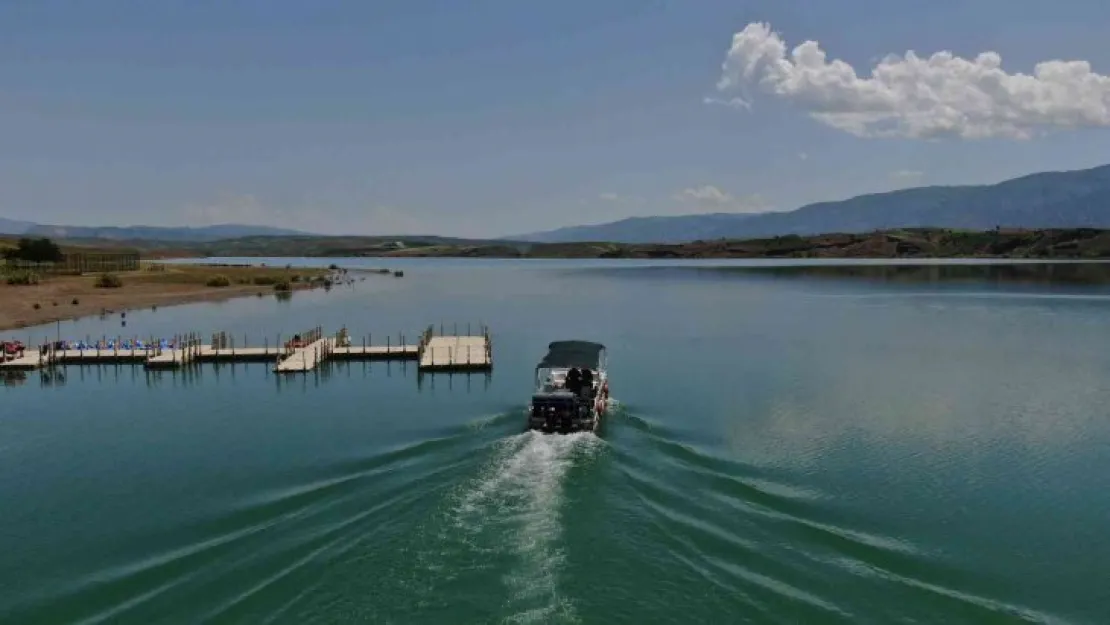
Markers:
<point>31,359</point>
<point>304,358</point>
<point>454,353</point>
<point>433,352</point>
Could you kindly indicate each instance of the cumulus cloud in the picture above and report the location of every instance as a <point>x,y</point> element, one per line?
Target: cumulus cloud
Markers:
<point>909,96</point>
<point>734,102</point>
<point>705,194</point>
<point>904,175</point>
<point>708,196</point>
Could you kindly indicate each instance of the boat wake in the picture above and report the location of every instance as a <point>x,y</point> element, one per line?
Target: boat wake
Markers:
<point>512,512</point>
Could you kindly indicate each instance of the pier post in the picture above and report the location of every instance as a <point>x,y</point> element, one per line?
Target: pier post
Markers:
<point>387,350</point>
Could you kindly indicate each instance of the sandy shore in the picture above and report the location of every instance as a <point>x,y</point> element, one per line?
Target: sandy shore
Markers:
<point>72,297</point>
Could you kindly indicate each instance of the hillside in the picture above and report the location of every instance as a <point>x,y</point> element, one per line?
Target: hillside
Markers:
<point>12,226</point>
<point>286,246</point>
<point>1071,243</point>
<point>646,229</point>
<point>1073,199</point>
<point>144,233</point>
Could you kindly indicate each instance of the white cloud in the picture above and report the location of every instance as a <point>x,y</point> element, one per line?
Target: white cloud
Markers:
<point>905,175</point>
<point>705,194</point>
<point>708,196</point>
<point>734,102</point>
<point>610,197</point>
<point>909,96</point>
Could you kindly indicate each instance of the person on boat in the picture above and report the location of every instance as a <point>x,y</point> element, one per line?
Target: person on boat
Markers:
<point>574,380</point>
<point>587,380</point>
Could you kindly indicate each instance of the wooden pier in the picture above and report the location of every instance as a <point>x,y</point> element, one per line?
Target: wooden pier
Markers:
<point>432,351</point>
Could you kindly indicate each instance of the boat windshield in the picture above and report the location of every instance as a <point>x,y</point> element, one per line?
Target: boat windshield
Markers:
<point>548,380</point>
<point>551,372</point>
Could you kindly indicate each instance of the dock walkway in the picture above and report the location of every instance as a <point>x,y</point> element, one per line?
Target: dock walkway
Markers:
<point>375,351</point>
<point>305,358</point>
<point>433,352</point>
<point>456,352</point>
<point>31,359</point>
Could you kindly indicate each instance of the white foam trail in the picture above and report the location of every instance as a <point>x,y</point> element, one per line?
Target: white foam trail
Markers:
<point>519,499</point>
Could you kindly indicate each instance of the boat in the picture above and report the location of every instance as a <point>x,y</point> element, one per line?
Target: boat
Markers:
<point>572,388</point>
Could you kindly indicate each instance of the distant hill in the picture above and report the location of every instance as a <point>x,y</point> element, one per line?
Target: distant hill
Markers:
<point>144,233</point>
<point>12,226</point>
<point>1071,199</point>
<point>645,229</point>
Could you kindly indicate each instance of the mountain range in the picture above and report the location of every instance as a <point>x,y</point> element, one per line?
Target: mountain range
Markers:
<point>142,233</point>
<point>1044,200</point>
<point>1068,199</point>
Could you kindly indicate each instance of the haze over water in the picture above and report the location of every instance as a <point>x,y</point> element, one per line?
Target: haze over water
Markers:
<point>786,447</point>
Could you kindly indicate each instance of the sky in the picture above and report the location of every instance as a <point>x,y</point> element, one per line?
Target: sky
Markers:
<point>490,118</point>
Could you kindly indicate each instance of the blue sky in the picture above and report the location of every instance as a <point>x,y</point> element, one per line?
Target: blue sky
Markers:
<point>495,117</point>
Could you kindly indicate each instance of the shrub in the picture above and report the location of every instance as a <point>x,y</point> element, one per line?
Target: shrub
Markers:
<point>75,301</point>
<point>295,278</point>
<point>283,287</point>
<point>265,280</point>
<point>25,278</point>
<point>333,267</point>
<point>35,251</point>
<point>218,280</point>
<point>36,306</point>
<point>108,281</point>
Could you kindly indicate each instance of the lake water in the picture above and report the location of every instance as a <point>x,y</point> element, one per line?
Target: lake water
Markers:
<point>793,446</point>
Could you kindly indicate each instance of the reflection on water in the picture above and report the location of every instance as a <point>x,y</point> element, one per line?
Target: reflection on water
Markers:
<point>196,374</point>
<point>1043,274</point>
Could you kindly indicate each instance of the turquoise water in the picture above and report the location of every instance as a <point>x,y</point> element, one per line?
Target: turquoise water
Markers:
<point>787,447</point>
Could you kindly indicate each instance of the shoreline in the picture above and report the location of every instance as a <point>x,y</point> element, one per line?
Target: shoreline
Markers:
<point>70,298</point>
<point>924,243</point>
<point>82,310</point>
